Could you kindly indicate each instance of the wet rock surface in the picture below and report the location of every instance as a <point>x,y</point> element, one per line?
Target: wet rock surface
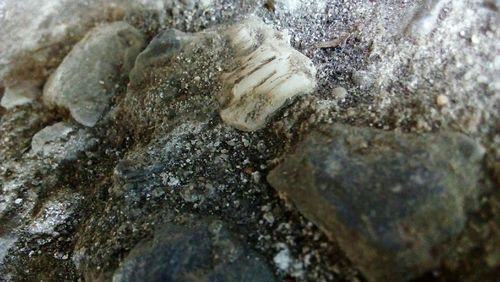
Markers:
<point>390,199</point>
<point>162,165</point>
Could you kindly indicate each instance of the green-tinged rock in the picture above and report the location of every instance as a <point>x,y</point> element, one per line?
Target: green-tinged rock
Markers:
<point>390,199</point>
<point>202,251</point>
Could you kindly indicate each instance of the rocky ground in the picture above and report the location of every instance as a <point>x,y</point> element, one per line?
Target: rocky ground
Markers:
<point>216,140</point>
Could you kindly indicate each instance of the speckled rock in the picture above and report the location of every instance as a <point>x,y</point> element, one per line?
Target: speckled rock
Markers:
<point>86,80</point>
<point>201,251</point>
<point>6,242</point>
<point>390,199</point>
<point>62,141</point>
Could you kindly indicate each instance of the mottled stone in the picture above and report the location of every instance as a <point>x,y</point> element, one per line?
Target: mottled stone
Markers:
<point>6,242</point>
<point>86,80</point>
<point>390,199</point>
<point>267,73</point>
<point>54,214</point>
<point>201,251</point>
<point>62,141</point>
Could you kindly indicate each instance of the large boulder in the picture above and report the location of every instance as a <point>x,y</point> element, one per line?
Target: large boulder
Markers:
<point>86,80</point>
<point>390,199</point>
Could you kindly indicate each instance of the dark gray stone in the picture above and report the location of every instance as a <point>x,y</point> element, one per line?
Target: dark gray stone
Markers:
<point>389,199</point>
<point>157,54</point>
<point>202,251</point>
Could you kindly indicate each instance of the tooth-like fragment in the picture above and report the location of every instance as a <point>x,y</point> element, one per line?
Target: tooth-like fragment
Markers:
<point>267,73</point>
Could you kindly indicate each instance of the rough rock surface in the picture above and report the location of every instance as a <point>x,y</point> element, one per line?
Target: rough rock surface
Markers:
<point>162,153</point>
<point>90,74</point>
<point>390,199</point>
<point>62,141</point>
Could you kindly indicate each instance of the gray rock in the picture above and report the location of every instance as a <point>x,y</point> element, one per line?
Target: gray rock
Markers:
<point>158,52</point>
<point>50,134</point>
<point>21,94</point>
<point>202,251</point>
<point>390,199</point>
<point>340,93</point>
<point>86,80</point>
<point>36,35</point>
<point>62,141</point>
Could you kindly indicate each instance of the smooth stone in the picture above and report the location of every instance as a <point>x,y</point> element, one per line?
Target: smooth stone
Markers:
<point>391,200</point>
<point>86,80</point>
<point>340,93</point>
<point>62,141</point>
<point>201,251</point>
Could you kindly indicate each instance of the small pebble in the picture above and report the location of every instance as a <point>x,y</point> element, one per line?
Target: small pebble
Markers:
<point>340,93</point>
<point>442,100</point>
<point>474,39</point>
